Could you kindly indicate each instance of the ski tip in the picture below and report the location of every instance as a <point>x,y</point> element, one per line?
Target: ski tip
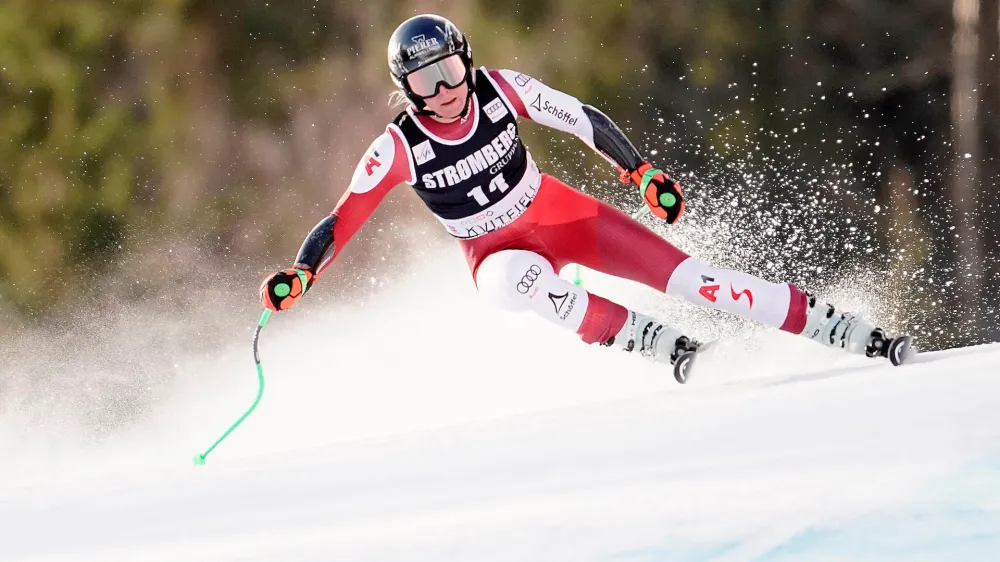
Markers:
<point>900,349</point>
<point>707,346</point>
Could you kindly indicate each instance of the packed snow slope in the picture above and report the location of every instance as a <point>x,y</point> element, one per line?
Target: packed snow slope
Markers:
<point>422,425</point>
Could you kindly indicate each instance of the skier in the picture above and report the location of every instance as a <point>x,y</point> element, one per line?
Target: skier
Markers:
<point>457,144</point>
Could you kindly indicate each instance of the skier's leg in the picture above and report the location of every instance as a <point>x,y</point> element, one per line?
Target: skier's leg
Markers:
<point>776,304</point>
<point>580,229</point>
<point>520,280</point>
<point>584,230</point>
<point>781,305</point>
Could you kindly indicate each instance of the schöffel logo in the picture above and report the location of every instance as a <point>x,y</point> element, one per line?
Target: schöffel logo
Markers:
<point>554,111</point>
<point>421,44</point>
<point>559,300</point>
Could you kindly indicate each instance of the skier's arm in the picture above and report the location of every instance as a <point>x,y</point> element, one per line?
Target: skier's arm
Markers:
<point>559,110</point>
<point>384,165</point>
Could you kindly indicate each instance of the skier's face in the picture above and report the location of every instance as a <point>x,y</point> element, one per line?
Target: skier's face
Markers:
<point>449,103</point>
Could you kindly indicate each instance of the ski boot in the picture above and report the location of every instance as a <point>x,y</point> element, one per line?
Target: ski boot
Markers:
<point>657,343</point>
<point>854,334</point>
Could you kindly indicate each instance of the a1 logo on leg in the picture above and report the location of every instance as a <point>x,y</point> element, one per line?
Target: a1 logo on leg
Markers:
<point>707,290</point>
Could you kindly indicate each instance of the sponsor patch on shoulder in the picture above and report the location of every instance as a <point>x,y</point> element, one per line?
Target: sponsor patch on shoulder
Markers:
<point>423,152</point>
<point>374,165</point>
<point>496,110</point>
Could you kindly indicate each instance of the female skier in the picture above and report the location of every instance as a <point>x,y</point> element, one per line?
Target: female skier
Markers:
<point>457,145</point>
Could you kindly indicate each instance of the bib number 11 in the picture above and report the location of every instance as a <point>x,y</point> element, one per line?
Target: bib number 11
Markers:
<point>497,183</point>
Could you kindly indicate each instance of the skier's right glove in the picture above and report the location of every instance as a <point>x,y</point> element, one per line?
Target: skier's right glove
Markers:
<point>281,290</point>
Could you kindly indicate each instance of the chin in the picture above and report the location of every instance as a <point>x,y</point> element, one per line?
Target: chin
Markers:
<point>450,113</point>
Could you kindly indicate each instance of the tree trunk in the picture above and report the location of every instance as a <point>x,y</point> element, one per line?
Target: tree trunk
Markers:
<point>989,126</point>
<point>965,163</point>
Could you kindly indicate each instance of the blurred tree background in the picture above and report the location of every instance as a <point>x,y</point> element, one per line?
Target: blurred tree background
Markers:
<point>827,137</point>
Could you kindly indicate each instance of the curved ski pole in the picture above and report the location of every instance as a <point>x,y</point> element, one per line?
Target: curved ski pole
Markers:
<point>200,458</point>
<point>578,277</point>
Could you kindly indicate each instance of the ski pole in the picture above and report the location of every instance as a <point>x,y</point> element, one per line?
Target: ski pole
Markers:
<point>578,279</point>
<point>200,458</point>
<point>640,213</point>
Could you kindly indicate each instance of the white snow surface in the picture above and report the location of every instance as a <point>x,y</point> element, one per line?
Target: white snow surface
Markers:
<point>422,425</point>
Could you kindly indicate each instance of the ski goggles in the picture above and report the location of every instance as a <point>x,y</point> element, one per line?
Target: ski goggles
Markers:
<point>450,71</point>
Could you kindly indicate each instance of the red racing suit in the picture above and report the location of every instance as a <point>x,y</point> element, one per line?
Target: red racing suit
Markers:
<point>539,213</point>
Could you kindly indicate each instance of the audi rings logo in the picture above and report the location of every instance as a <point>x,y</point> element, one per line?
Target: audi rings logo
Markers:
<point>528,279</point>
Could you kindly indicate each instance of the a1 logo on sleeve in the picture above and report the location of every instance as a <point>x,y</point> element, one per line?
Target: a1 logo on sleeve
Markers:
<point>496,110</point>
<point>374,165</point>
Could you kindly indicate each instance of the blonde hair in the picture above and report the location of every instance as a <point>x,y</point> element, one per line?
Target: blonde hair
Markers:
<point>398,99</point>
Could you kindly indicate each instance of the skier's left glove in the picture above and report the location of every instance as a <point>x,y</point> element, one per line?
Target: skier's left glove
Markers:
<point>281,290</point>
<point>660,193</point>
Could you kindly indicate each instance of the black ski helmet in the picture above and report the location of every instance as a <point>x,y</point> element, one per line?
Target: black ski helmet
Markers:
<point>420,41</point>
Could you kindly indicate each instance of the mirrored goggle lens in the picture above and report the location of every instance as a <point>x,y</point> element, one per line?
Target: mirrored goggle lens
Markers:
<point>450,72</point>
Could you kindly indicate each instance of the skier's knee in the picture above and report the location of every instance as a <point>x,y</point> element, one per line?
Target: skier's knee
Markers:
<point>522,280</point>
<point>510,278</point>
